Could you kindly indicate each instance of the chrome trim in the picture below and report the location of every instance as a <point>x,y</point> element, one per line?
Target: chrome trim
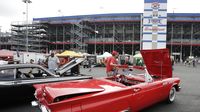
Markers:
<point>34,104</point>
<point>43,108</point>
<point>179,88</point>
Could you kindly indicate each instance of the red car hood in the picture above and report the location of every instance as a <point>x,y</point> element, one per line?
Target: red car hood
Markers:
<point>158,62</point>
<point>73,88</point>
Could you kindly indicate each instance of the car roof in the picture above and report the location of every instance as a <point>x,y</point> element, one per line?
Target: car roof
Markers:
<point>61,70</point>
<point>12,66</point>
<point>19,66</point>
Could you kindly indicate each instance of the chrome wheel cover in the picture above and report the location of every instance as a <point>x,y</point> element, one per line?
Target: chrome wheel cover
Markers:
<point>172,94</point>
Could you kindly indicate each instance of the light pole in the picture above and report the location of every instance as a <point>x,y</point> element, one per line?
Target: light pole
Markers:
<point>24,16</point>
<point>181,53</point>
<point>95,46</point>
<point>0,36</point>
<point>61,14</point>
<point>192,34</point>
<point>27,2</point>
<point>141,31</point>
<point>172,34</point>
<point>174,10</point>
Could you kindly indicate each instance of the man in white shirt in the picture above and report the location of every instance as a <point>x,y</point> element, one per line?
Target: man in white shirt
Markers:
<point>53,62</point>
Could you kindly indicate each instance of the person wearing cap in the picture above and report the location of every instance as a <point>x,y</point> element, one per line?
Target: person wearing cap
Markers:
<point>31,61</point>
<point>30,73</point>
<point>111,64</point>
<point>53,62</point>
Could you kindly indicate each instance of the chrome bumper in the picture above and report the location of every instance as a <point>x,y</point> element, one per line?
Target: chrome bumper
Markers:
<point>41,107</point>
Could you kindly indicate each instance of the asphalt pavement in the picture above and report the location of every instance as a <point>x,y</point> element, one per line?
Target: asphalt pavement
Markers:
<point>187,100</point>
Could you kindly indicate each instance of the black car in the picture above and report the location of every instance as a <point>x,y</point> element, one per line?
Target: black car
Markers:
<point>16,80</point>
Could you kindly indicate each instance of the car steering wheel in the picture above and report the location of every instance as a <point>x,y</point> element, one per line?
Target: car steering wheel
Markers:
<point>120,78</point>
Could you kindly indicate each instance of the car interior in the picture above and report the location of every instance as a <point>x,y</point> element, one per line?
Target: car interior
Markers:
<point>30,73</point>
<point>127,79</point>
<point>133,79</point>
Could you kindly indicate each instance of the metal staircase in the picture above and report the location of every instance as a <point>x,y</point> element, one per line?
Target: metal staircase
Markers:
<point>80,35</point>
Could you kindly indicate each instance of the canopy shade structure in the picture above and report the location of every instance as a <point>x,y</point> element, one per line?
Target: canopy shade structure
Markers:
<point>70,54</point>
<point>104,55</point>
<point>137,56</point>
<point>6,53</point>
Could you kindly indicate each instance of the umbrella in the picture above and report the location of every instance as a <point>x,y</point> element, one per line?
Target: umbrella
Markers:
<point>69,53</point>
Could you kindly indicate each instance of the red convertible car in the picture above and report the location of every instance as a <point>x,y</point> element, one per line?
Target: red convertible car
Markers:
<point>120,93</point>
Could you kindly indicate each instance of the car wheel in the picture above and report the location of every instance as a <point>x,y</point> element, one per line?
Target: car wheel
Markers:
<point>172,95</point>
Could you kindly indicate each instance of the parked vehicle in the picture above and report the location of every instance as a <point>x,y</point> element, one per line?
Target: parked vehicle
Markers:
<point>16,80</point>
<point>119,93</point>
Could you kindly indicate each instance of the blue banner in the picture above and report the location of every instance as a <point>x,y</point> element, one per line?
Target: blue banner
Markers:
<point>150,1</point>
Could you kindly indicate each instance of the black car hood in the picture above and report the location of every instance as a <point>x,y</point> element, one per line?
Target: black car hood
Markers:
<point>70,65</point>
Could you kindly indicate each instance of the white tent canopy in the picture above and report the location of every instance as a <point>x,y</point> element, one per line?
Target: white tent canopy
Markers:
<point>137,56</point>
<point>104,55</point>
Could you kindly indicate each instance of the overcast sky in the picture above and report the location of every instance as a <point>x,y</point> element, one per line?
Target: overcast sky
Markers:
<point>12,10</point>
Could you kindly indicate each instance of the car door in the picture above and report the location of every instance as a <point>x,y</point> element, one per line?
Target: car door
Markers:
<point>145,94</point>
<point>6,79</point>
<point>166,88</point>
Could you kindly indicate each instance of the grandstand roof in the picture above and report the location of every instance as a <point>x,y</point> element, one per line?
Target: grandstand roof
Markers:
<point>177,17</point>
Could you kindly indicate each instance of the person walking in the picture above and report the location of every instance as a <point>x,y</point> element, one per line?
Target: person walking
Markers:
<point>53,62</point>
<point>172,61</point>
<point>90,66</point>
<point>31,61</point>
<point>111,64</point>
<point>194,62</point>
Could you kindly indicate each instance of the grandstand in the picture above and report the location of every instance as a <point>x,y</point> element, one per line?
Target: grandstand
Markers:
<point>37,38</point>
<point>121,31</point>
<point>5,42</point>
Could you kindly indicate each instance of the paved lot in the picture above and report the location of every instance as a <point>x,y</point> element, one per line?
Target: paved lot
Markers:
<point>188,100</point>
